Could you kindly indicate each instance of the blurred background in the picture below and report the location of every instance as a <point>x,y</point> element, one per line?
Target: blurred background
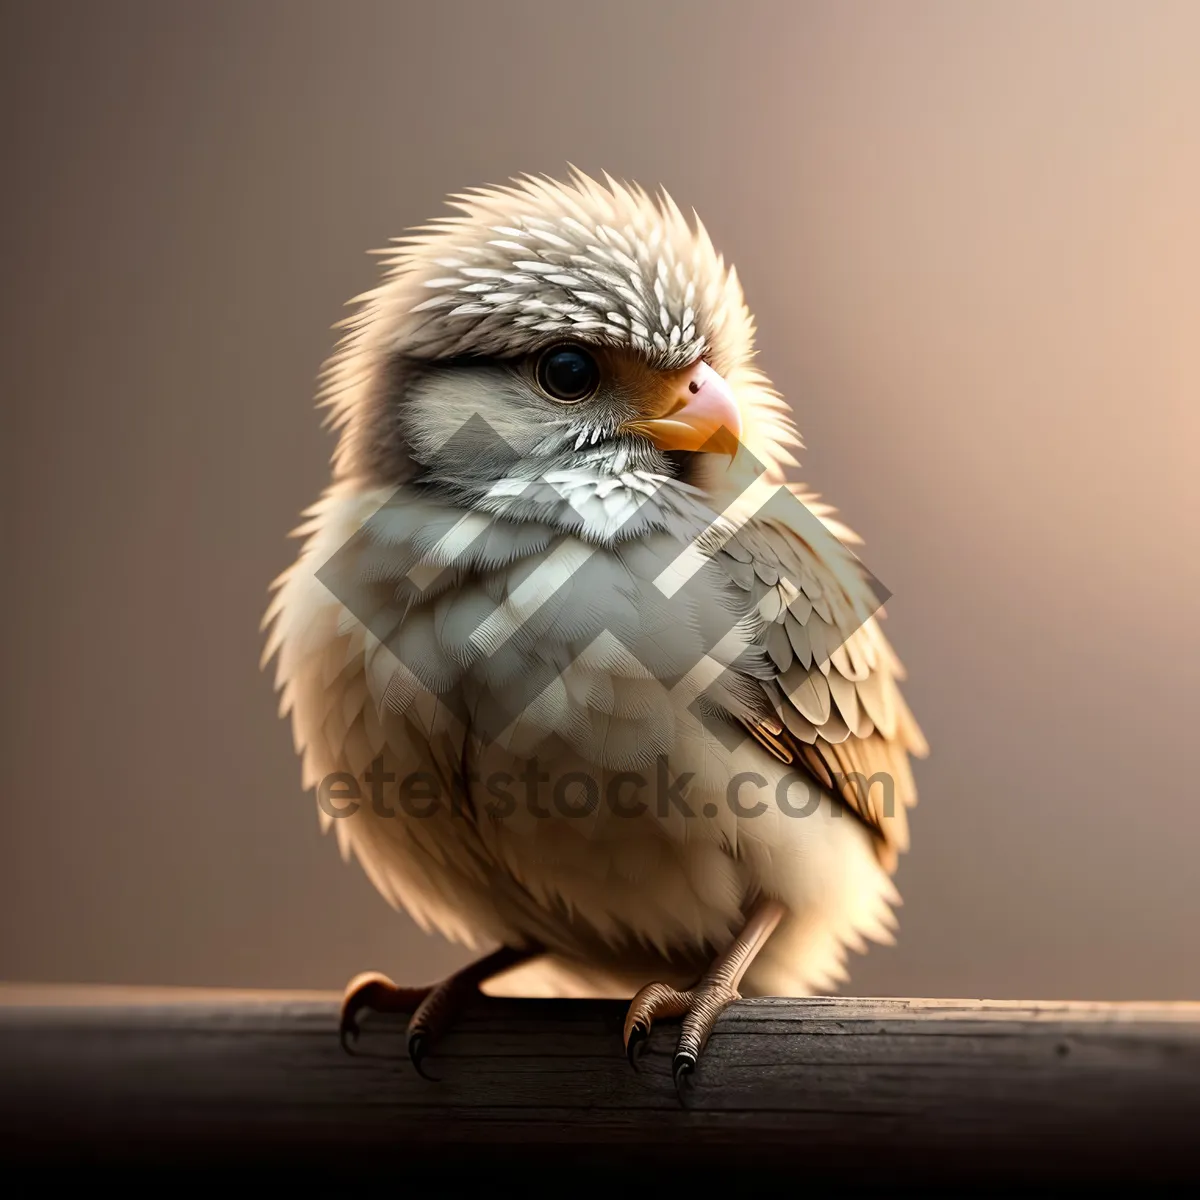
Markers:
<point>970,235</point>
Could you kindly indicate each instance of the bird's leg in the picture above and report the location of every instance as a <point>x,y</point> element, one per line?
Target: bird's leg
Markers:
<point>701,1005</point>
<point>432,1008</point>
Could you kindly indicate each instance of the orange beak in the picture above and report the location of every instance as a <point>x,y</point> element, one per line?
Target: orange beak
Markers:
<point>703,415</point>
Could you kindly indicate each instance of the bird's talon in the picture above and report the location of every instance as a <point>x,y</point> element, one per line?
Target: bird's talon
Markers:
<point>430,1009</point>
<point>372,992</point>
<point>419,1043</point>
<point>681,1069</point>
<point>635,1043</point>
<point>699,1007</point>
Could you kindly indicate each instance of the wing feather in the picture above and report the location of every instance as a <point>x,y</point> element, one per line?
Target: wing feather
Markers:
<point>841,715</point>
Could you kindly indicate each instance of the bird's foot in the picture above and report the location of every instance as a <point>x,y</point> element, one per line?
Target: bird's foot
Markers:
<point>433,1008</point>
<point>699,1007</point>
<point>373,992</point>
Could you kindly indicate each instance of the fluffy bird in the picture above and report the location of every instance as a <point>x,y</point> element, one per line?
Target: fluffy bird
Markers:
<point>576,673</point>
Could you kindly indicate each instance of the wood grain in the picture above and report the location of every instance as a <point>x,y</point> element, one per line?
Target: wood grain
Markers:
<point>849,1088</point>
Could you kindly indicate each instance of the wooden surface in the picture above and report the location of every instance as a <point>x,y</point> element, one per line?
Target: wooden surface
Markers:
<point>846,1088</point>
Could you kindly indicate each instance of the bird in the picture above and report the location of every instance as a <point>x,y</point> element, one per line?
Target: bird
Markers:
<point>576,670</point>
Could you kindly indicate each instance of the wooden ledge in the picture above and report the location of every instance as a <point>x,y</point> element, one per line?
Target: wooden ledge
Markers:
<point>850,1088</point>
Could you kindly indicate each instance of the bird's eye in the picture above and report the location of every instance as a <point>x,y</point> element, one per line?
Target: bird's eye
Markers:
<point>568,373</point>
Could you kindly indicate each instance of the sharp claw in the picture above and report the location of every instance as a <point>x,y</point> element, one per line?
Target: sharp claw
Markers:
<point>418,1046</point>
<point>682,1068</point>
<point>636,1043</point>
<point>348,1028</point>
<point>365,991</point>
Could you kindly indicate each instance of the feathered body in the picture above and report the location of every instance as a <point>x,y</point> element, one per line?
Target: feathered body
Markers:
<point>544,559</point>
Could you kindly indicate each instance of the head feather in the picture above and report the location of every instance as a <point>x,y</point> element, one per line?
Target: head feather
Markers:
<point>526,263</point>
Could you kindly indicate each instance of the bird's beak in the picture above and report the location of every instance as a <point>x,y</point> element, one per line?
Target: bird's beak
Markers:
<point>701,414</point>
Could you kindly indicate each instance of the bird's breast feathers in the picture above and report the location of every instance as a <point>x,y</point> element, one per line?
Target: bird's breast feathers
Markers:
<point>602,632</point>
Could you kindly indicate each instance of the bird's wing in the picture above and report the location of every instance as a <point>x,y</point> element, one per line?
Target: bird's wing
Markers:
<point>832,676</point>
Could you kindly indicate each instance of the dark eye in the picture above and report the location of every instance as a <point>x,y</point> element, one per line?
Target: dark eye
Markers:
<point>568,373</point>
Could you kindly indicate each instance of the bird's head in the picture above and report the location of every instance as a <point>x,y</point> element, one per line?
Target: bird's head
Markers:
<point>548,326</point>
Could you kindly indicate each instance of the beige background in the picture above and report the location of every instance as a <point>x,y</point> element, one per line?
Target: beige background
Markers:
<point>971,235</point>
